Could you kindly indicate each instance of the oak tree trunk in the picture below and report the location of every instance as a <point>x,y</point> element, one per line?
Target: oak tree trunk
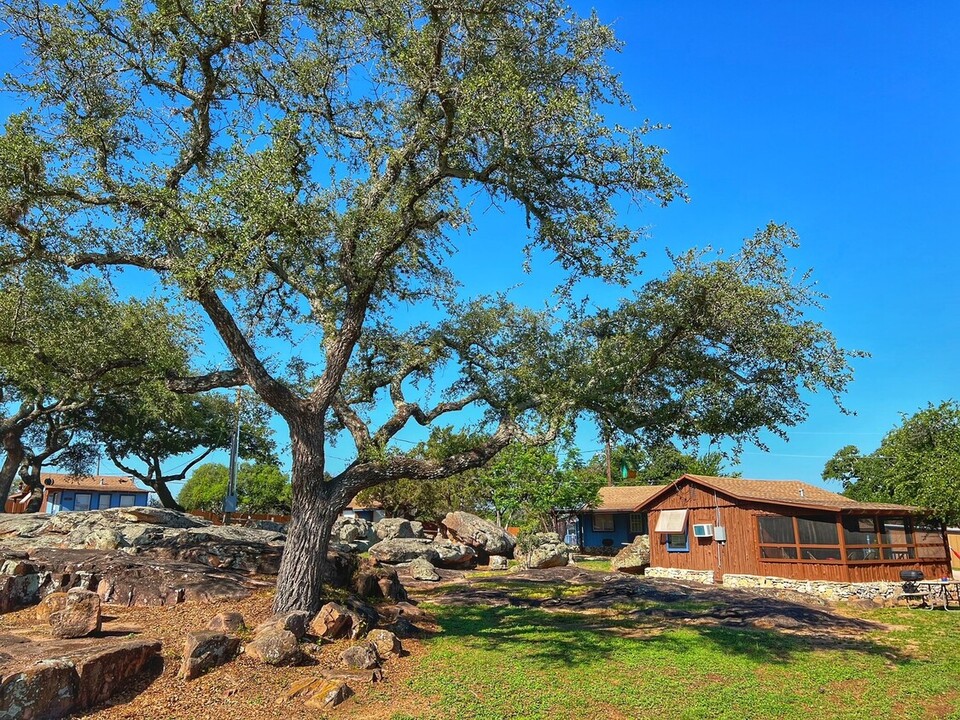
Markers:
<point>315,507</point>
<point>14,454</point>
<point>165,496</point>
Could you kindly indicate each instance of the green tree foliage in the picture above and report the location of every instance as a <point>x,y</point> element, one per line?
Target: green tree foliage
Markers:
<point>657,465</point>
<point>432,499</point>
<point>65,347</point>
<point>528,485</point>
<point>303,170</point>
<point>917,463</point>
<point>261,489</point>
<point>153,429</point>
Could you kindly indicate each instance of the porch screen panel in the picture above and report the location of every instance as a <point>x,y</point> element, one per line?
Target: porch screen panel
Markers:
<point>860,531</point>
<point>818,531</point>
<point>776,530</point>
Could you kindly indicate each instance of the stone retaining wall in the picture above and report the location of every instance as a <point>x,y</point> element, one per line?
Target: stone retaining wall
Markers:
<point>879,592</point>
<point>831,591</point>
<point>699,576</point>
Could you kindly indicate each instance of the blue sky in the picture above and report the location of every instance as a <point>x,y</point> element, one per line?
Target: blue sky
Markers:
<point>841,120</point>
<point>838,119</point>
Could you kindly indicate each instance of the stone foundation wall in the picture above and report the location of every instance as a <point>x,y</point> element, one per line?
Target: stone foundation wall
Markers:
<point>700,576</point>
<point>831,591</point>
<point>878,592</point>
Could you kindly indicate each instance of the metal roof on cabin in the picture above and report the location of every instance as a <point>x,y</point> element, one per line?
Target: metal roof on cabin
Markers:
<point>786,492</point>
<point>624,498</point>
<point>101,483</point>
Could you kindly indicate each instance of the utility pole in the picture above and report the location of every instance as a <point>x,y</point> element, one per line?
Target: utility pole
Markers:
<point>230,501</point>
<point>609,471</point>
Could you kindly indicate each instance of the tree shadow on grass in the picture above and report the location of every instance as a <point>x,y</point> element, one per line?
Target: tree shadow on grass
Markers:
<point>558,624</point>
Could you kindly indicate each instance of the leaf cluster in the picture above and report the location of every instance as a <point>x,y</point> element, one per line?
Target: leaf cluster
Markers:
<point>917,463</point>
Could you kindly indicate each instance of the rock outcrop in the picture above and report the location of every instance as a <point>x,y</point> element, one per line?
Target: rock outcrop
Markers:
<point>544,550</point>
<point>440,552</point>
<point>483,536</point>
<point>50,679</point>
<point>634,558</point>
<point>390,528</point>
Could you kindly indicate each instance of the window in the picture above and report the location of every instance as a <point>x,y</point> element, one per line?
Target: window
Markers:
<point>776,530</point>
<point>128,500</point>
<point>678,542</point>
<point>638,523</point>
<point>821,530</point>
<point>82,501</point>
<point>602,522</point>
<point>815,538</point>
<point>104,501</point>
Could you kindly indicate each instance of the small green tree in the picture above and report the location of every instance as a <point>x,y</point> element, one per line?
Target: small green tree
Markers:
<point>261,488</point>
<point>153,428</point>
<point>917,463</point>
<point>657,465</point>
<point>63,349</point>
<point>528,485</point>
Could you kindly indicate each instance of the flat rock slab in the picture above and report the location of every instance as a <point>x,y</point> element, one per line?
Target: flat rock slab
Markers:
<point>120,578</point>
<point>54,678</point>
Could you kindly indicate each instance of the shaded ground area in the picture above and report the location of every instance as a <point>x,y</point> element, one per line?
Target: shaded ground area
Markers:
<point>573,589</point>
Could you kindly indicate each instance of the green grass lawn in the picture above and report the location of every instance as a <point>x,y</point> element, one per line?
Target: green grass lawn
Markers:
<point>509,661</point>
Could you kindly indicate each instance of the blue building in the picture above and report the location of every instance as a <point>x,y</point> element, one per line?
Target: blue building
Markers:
<point>606,528</point>
<point>97,492</point>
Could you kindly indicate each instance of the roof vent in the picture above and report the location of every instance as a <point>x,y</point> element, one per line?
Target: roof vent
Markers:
<point>48,481</point>
<point>801,492</point>
<point>102,481</point>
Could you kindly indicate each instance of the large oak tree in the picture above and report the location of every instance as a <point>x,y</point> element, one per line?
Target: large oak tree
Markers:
<point>300,170</point>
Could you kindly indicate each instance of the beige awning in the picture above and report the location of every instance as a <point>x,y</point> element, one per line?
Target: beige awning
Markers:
<point>672,521</point>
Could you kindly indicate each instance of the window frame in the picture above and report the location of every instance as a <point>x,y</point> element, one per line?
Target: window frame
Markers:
<point>77,496</point>
<point>878,551</point>
<point>668,538</point>
<point>593,522</point>
<point>643,523</point>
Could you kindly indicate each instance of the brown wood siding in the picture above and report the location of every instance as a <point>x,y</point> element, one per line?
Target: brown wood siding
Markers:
<point>740,554</point>
<point>954,539</point>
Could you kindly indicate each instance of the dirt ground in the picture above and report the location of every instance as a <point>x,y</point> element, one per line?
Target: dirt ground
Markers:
<point>247,690</point>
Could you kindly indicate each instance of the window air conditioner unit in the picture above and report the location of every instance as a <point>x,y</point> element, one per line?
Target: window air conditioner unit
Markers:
<point>703,531</point>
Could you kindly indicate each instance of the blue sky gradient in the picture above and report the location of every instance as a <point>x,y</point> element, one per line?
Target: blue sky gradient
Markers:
<point>840,120</point>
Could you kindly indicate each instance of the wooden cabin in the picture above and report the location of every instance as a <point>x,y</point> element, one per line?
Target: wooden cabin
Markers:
<point>606,528</point>
<point>788,529</point>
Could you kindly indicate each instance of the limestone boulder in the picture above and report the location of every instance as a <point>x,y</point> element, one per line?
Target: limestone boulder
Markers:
<point>386,643</point>
<point>499,562</point>
<point>360,657</point>
<point>331,622</point>
<point>422,569</point>
<point>376,581</point>
<point>227,622</point>
<point>71,614</point>
<point>275,646</point>
<point>318,692</point>
<point>544,550</point>
<point>633,558</point>
<point>441,553</point>
<point>205,650</point>
<point>295,621</point>
<point>390,528</point>
<point>483,536</point>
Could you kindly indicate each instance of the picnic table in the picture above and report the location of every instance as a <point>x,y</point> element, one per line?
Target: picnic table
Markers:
<point>945,591</point>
